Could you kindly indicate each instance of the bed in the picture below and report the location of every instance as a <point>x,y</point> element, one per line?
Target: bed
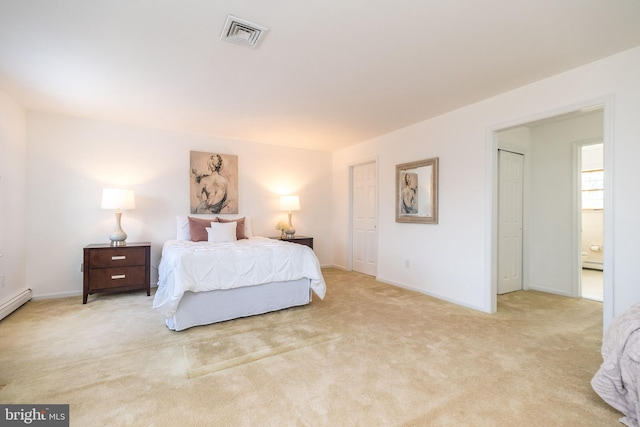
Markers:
<point>216,270</point>
<point>618,378</point>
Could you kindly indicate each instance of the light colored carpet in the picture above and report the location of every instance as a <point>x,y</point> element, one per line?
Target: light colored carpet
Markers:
<point>369,354</point>
<point>205,356</point>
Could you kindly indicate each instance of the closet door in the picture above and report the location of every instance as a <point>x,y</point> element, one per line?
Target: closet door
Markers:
<point>364,221</point>
<point>510,189</point>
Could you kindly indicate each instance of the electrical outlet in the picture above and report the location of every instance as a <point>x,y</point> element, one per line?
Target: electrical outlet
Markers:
<point>406,263</point>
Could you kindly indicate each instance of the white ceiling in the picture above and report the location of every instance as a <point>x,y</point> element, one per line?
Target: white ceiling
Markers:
<point>328,74</point>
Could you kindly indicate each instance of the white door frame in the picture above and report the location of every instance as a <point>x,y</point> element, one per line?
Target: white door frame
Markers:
<point>351,166</point>
<point>491,200</point>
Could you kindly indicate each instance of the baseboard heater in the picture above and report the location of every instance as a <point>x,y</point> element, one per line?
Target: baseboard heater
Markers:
<point>592,265</point>
<point>8,307</point>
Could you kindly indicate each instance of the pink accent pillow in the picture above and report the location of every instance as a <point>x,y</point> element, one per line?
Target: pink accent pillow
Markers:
<point>197,228</point>
<point>239,226</point>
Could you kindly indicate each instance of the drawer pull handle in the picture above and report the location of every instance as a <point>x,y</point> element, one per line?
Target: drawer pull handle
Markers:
<point>119,257</point>
<point>118,276</point>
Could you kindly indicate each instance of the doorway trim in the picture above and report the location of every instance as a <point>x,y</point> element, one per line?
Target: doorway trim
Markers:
<point>491,198</point>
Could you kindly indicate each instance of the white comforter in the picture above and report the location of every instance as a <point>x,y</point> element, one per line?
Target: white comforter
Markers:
<point>203,266</point>
<point>617,381</point>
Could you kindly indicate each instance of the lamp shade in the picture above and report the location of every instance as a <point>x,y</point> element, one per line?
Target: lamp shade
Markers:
<point>289,203</point>
<point>118,198</point>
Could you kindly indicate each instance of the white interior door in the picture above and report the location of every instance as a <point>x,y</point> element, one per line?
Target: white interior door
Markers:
<point>364,224</point>
<point>510,190</point>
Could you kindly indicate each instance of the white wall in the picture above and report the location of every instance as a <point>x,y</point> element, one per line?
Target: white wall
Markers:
<point>453,259</point>
<point>12,197</point>
<point>516,139</point>
<point>70,160</point>
<point>444,259</point>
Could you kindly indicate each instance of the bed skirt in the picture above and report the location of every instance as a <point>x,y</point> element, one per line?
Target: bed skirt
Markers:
<point>203,308</point>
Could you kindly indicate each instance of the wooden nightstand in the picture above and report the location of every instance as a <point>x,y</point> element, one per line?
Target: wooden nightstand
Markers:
<point>114,269</point>
<point>302,240</point>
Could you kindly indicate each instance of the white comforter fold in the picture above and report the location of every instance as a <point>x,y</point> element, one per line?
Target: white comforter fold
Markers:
<point>203,266</point>
<point>617,381</point>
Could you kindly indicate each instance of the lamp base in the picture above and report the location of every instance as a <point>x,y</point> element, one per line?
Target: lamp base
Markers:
<point>118,237</point>
<point>289,232</point>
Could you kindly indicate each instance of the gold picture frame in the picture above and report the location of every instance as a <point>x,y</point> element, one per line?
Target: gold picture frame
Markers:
<point>417,192</point>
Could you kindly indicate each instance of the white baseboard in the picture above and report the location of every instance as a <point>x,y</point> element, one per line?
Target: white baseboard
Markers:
<point>434,295</point>
<point>11,305</point>
<point>57,295</point>
<point>550,291</point>
<point>337,267</point>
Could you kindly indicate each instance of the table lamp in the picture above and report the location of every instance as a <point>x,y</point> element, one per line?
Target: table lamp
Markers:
<point>117,198</point>
<point>290,204</point>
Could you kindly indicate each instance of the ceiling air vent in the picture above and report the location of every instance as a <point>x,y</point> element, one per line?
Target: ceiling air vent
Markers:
<point>243,32</point>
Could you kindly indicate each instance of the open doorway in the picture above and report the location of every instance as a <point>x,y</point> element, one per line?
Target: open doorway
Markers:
<point>592,220</point>
<point>551,241</point>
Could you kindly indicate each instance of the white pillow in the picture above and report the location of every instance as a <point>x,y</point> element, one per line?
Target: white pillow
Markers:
<point>247,222</point>
<point>222,232</point>
<point>182,228</point>
<point>183,232</point>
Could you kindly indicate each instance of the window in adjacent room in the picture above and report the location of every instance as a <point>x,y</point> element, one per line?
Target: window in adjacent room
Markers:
<point>593,189</point>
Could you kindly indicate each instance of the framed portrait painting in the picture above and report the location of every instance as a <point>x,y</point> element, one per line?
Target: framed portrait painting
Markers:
<point>213,183</point>
<point>417,192</point>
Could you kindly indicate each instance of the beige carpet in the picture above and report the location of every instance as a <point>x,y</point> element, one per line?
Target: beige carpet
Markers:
<point>370,354</point>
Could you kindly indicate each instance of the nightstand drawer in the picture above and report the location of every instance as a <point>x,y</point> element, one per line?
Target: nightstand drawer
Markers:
<point>117,277</point>
<point>117,257</point>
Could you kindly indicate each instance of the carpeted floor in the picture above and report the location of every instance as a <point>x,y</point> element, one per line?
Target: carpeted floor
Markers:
<point>369,354</point>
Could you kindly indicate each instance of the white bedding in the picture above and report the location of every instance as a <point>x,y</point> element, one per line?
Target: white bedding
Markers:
<point>617,381</point>
<point>203,266</point>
